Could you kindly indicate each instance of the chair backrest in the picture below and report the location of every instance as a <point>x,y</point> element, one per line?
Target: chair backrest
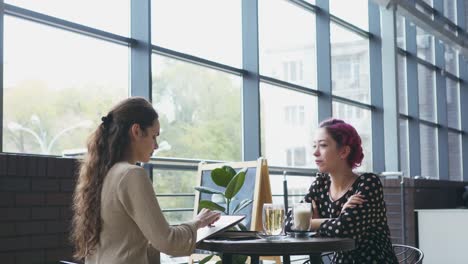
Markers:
<point>408,254</point>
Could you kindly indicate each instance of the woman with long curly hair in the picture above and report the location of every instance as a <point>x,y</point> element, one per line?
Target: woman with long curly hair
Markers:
<point>117,218</point>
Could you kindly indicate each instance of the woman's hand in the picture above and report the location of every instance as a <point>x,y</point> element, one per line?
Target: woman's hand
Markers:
<point>353,201</point>
<point>206,217</point>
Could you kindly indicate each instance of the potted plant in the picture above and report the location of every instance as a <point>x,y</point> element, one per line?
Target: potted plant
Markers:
<point>222,200</point>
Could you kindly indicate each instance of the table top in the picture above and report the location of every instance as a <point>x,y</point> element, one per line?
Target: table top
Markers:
<point>286,246</point>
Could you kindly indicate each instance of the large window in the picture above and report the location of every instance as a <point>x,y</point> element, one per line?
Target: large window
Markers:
<point>361,120</point>
<point>287,43</point>
<point>96,14</point>
<point>354,12</point>
<point>288,124</point>
<point>425,45</point>
<point>232,84</point>
<point>209,29</point>
<point>429,151</point>
<point>426,88</point>
<point>55,94</point>
<point>451,60</point>
<point>450,10</point>
<point>350,64</point>
<point>199,109</point>
<point>175,192</point>
<point>404,150</point>
<point>453,104</point>
<point>402,92</point>
<point>455,157</point>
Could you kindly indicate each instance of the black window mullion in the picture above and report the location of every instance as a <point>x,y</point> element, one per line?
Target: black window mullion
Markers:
<point>441,106</point>
<point>324,60</point>
<point>464,115</point>
<point>250,81</point>
<point>140,73</point>
<point>413,101</point>
<point>376,91</point>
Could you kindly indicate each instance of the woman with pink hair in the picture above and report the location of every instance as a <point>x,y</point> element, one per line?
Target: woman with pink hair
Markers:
<point>346,204</point>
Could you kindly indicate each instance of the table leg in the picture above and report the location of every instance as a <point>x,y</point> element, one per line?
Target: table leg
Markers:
<point>226,258</point>
<point>286,259</point>
<point>315,259</point>
<point>255,259</point>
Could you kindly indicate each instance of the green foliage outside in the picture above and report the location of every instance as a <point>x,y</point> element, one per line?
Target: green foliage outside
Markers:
<point>35,114</point>
<point>200,110</point>
<point>201,119</point>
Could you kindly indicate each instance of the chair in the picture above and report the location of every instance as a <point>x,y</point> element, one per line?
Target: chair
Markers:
<point>405,255</point>
<point>326,258</point>
<point>408,254</point>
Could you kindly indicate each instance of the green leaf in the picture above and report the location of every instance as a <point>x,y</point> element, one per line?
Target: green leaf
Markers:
<point>242,227</point>
<point>244,203</point>
<point>204,189</point>
<point>219,262</point>
<point>235,184</point>
<point>229,170</point>
<point>206,259</point>
<point>239,259</point>
<point>221,177</point>
<point>210,205</point>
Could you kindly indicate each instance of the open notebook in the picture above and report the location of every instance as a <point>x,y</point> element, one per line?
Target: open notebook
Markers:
<point>224,222</point>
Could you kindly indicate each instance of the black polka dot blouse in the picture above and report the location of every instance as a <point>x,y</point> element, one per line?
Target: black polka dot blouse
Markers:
<point>366,223</point>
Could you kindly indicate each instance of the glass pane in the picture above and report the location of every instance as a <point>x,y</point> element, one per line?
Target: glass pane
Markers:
<point>450,10</point>
<point>176,202</point>
<point>426,88</point>
<point>425,45</point>
<point>455,157</point>
<point>453,103</point>
<point>404,150</point>
<point>298,187</point>
<point>354,12</point>
<point>174,182</point>
<point>287,45</point>
<point>451,60</point>
<point>98,14</point>
<point>429,151</point>
<point>400,32</point>
<point>350,64</point>
<point>429,2</point>
<point>288,123</point>
<point>176,218</point>
<point>210,29</point>
<point>361,120</point>
<point>200,110</point>
<point>402,91</point>
<point>423,9</point>
<point>47,86</point>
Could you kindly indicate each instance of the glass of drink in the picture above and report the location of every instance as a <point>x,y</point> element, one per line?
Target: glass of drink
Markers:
<point>302,213</point>
<point>273,219</point>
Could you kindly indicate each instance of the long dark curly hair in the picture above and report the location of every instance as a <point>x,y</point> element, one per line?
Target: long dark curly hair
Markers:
<point>107,145</point>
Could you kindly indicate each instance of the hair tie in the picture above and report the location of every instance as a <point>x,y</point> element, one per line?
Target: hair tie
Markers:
<point>106,120</point>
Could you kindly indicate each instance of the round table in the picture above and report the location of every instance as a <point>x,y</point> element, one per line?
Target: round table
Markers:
<point>312,246</point>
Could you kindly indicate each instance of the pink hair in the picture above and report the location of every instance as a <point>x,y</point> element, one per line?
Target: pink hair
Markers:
<point>345,135</point>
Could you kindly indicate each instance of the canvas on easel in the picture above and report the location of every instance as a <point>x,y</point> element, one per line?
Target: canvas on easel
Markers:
<point>256,188</point>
